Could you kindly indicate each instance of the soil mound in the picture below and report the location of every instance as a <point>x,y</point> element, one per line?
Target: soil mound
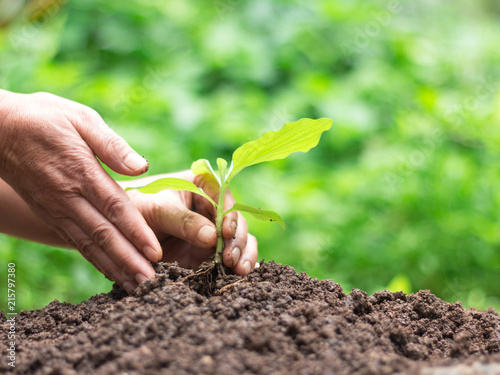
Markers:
<point>273,321</point>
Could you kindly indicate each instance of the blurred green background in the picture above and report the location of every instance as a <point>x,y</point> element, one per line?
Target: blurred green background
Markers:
<point>403,192</point>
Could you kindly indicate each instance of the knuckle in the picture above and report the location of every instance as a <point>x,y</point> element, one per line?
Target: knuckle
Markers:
<point>36,96</point>
<point>114,208</point>
<point>85,246</point>
<point>187,225</point>
<point>42,96</point>
<point>89,118</point>
<point>88,115</point>
<point>103,236</point>
<point>114,145</point>
<point>88,174</point>
<point>233,216</point>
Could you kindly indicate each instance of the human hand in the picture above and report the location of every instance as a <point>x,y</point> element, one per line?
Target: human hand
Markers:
<point>48,149</point>
<point>184,224</point>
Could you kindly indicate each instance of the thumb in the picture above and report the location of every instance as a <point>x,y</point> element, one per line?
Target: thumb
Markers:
<point>109,147</point>
<point>185,224</point>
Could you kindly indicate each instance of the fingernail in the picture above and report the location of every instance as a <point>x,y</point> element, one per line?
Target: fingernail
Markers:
<point>234,225</point>
<point>151,254</point>
<point>206,233</point>
<point>147,165</point>
<point>140,278</point>
<point>247,266</point>
<point>136,163</point>
<point>235,255</point>
<point>257,265</point>
<point>128,286</point>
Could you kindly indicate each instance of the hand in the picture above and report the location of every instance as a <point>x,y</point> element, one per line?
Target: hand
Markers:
<point>184,224</point>
<point>48,149</point>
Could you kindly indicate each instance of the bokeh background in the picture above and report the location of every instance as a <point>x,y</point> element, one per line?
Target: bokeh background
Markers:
<point>402,193</point>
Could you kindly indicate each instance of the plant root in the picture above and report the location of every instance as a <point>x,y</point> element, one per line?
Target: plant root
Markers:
<point>176,284</point>
<point>209,279</point>
<point>228,286</point>
<point>198,273</point>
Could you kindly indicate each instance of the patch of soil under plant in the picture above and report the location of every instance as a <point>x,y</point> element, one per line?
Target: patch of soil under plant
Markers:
<point>273,321</point>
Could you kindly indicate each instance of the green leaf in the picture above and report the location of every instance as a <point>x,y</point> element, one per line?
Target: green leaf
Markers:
<point>298,136</point>
<point>202,166</point>
<point>172,183</point>
<point>264,215</point>
<point>222,164</point>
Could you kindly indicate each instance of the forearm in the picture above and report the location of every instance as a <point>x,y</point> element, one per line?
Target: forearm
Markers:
<point>16,219</point>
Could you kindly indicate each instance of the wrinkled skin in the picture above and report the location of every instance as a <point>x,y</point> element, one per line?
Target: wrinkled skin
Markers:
<point>184,224</point>
<point>48,150</point>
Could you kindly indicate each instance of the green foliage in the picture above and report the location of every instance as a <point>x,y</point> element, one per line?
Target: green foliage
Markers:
<point>258,213</point>
<point>172,184</point>
<point>298,136</point>
<point>407,184</point>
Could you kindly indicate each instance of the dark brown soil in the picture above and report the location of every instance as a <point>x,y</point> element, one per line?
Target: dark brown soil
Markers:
<point>274,321</point>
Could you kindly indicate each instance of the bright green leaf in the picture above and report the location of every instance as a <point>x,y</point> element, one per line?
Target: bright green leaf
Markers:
<point>298,136</point>
<point>222,165</point>
<point>172,183</point>
<point>202,166</point>
<point>264,215</point>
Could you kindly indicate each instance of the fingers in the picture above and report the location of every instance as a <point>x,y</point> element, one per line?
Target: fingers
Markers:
<point>52,166</point>
<point>211,187</point>
<point>185,254</point>
<point>96,256</point>
<point>103,245</point>
<point>230,223</point>
<point>107,196</point>
<point>166,214</point>
<point>111,149</point>
<point>127,224</point>
<point>191,234</point>
<point>240,252</point>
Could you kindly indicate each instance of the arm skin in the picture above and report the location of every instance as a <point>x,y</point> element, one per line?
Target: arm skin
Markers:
<point>16,219</point>
<point>48,154</point>
<point>53,190</point>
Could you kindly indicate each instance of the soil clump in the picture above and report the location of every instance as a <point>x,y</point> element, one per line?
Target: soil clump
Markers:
<point>274,321</point>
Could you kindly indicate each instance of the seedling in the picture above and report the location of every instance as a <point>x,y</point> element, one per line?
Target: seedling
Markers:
<point>298,136</point>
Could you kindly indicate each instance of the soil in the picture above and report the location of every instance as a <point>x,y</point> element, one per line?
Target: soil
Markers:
<point>274,321</point>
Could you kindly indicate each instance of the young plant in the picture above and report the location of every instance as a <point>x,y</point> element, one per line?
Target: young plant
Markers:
<point>298,136</point>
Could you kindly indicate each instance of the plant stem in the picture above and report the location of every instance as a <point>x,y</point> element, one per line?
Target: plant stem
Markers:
<point>218,224</point>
